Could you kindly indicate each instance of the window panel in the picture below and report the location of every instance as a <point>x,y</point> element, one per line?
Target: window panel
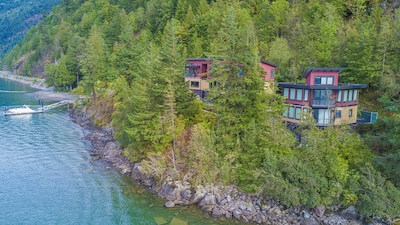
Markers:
<point>322,116</point>
<point>317,80</point>
<point>298,112</point>
<point>338,114</point>
<point>329,81</point>
<point>350,95</point>
<point>285,112</point>
<point>323,80</point>
<point>355,95</point>
<point>286,92</point>
<point>292,93</point>
<point>299,93</point>
<point>195,84</point>
<point>305,95</point>
<point>346,92</point>
<point>291,112</point>
<point>340,96</point>
<point>272,73</point>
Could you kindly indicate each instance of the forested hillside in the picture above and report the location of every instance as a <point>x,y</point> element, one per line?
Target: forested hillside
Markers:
<point>131,55</point>
<point>16,17</point>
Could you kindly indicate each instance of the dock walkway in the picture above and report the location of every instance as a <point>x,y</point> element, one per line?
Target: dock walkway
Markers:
<point>26,110</point>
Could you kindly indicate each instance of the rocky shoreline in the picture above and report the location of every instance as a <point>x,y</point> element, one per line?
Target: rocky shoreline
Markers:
<point>216,201</point>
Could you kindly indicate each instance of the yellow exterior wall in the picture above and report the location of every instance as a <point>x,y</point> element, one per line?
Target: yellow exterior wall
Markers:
<point>346,119</point>
<point>203,84</point>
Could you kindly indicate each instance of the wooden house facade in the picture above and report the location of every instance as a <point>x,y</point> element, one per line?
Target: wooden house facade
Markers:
<point>197,75</point>
<point>322,96</point>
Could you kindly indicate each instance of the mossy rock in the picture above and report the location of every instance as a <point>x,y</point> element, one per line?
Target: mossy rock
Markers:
<point>177,221</point>
<point>160,220</point>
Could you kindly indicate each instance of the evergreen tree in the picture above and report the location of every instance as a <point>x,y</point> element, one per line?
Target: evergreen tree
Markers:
<point>94,61</point>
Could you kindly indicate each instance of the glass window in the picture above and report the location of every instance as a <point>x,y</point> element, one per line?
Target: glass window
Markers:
<point>194,84</point>
<point>350,95</point>
<point>350,112</point>
<point>298,112</point>
<point>329,81</point>
<point>355,95</point>
<point>291,112</point>
<point>323,80</point>
<point>338,114</point>
<point>322,97</point>
<point>345,94</point>
<point>299,94</point>
<point>340,96</point>
<point>322,116</point>
<point>292,93</point>
<point>285,112</point>
<point>272,73</point>
<point>286,92</point>
<point>305,95</point>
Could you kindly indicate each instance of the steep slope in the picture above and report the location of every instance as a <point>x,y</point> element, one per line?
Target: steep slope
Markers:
<point>16,17</point>
<point>132,53</point>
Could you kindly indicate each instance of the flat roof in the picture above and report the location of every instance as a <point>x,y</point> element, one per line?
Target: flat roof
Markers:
<point>321,69</point>
<point>341,86</point>
<point>269,63</point>
<point>199,59</point>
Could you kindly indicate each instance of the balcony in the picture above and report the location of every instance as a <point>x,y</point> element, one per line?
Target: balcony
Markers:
<point>323,103</point>
<point>189,75</point>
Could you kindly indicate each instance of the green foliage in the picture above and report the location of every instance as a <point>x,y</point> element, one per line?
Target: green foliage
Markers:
<point>17,16</point>
<point>137,50</point>
<point>94,61</point>
<point>202,160</point>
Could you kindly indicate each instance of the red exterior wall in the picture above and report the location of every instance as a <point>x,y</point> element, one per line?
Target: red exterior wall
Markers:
<point>311,77</point>
<point>201,63</point>
<point>267,68</point>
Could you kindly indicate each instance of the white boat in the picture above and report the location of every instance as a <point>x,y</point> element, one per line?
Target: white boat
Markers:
<point>21,110</point>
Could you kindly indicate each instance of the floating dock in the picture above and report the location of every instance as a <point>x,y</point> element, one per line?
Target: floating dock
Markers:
<point>27,110</point>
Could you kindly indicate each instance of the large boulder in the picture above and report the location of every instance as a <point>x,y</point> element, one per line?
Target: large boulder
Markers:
<point>169,192</point>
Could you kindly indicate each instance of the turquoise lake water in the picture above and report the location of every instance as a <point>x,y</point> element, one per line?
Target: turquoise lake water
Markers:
<point>48,177</point>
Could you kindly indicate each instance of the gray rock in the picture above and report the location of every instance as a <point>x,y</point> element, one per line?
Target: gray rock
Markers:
<point>207,200</point>
<point>168,192</point>
<point>242,207</point>
<point>217,212</point>
<point>198,195</point>
<point>306,215</point>
<point>170,204</point>
<point>319,210</point>
<point>237,213</point>
<point>223,202</point>
<point>275,211</point>
<point>309,221</point>
<point>350,213</point>
<point>228,215</point>
<point>185,194</point>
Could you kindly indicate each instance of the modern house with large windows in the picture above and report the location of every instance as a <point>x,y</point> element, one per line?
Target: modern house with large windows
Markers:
<point>197,73</point>
<point>323,97</point>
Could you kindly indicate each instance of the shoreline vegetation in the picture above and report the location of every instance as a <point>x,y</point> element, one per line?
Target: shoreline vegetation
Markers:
<point>224,202</point>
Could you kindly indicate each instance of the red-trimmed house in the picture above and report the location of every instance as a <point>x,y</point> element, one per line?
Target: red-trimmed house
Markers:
<point>330,102</point>
<point>197,74</point>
